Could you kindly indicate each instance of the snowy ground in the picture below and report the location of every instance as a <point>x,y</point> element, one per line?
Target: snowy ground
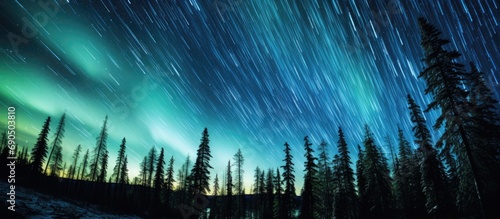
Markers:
<point>32,204</point>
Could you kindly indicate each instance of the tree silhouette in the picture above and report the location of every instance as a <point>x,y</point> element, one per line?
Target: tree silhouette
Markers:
<point>39,151</point>
<point>83,168</point>
<point>97,169</point>
<point>238,164</point>
<point>309,196</point>
<point>151,159</point>
<point>56,165</point>
<point>158,183</point>
<point>200,174</point>
<point>325,179</point>
<point>76,156</point>
<point>119,162</point>
<point>228,212</point>
<point>287,201</point>
<point>56,144</point>
<point>346,203</point>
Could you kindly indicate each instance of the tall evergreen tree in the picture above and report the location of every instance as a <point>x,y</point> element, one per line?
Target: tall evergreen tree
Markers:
<point>215,209</point>
<point>169,184</point>
<point>158,182</point>
<point>84,164</point>
<point>439,203</point>
<point>123,179</point>
<point>346,204</point>
<point>410,200</point>
<point>444,79</point>
<point>76,156</point>
<point>377,194</point>
<point>287,201</point>
<point>119,162</point>
<point>56,165</point>
<point>309,194</point>
<point>228,212</point>
<point>269,200</point>
<point>143,173</point>
<point>58,136</point>
<point>238,164</point>
<point>39,151</point>
<point>278,210</point>
<point>151,159</point>
<point>96,166</point>
<point>104,167</point>
<point>325,179</point>
<point>200,174</point>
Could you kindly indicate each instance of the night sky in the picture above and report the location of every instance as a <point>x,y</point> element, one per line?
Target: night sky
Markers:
<point>256,73</point>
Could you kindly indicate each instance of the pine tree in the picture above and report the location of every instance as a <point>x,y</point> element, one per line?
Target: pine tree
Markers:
<point>124,172</point>
<point>56,165</point>
<point>257,197</point>
<point>159,179</point>
<point>309,194</point>
<point>76,155</point>
<point>151,159</point>
<point>325,179</point>
<point>346,204</point>
<point>287,201</point>
<point>238,163</point>
<point>169,184</point>
<point>200,174</point>
<point>100,151</point>
<point>58,136</point>
<point>119,162</point>
<point>444,79</point>
<point>39,151</point>
<point>269,201</point>
<point>361,182</point>
<point>439,203</point>
<point>278,209</point>
<point>104,167</point>
<point>215,210</point>
<point>83,168</point>
<point>144,171</point>
<point>377,194</point>
<point>408,190</point>
<point>228,212</point>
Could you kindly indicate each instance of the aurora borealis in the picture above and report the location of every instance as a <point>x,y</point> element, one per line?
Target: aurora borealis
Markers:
<point>256,73</point>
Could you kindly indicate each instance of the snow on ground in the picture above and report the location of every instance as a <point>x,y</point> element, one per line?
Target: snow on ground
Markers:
<point>34,205</point>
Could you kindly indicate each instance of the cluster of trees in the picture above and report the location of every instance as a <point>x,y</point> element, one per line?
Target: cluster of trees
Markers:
<point>458,176</point>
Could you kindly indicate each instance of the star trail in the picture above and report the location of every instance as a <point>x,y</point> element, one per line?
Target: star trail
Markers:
<point>256,73</point>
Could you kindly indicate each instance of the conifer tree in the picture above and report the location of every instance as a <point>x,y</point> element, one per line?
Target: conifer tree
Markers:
<point>144,171</point>
<point>124,172</point>
<point>151,159</point>
<point>346,203</point>
<point>309,194</point>
<point>377,194</point>
<point>408,191</point>
<point>439,203</point>
<point>169,183</point>
<point>119,162</point>
<point>269,201</point>
<point>200,174</point>
<point>228,212</point>
<point>158,182</point>
<point>278,209</point>
<point>58,136</point>
<point>287,201</point>
<point>76,156</point>
<point>39,151</point>
<point>104,167</point>
<point>84,164</point>
<point>215,210</point>
<point>238,164</point>
<point>57,161</point>
<point>325,179</point>
<point>97,169</point>
<point>444,79</point>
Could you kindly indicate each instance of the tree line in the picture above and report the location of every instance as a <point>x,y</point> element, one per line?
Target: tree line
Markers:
<point>458,176</point>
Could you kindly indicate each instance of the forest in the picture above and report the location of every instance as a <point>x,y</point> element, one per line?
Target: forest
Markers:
<point>458,176</point>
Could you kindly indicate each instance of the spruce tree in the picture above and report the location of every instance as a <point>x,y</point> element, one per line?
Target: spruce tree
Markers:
<point>100,151</point>
<point>119,162</point>
<point>278,209</point>
<point>158,183</point>
<point>124,172</point>
<point>58,136</point>
<point>57,161</point>
<point>143,173</point>
<point>84,164</point>
<point>169,184</point>
<point>325,179</point>
<point>287,201</point>
<point>103,163</point>
<point>238,164</point>
<point>200,174</point>
<point>39,151</point>
<point>439,203</point>
<point>408,190</point>
<point>269,200</point>
<point>346,204</point>
<point>228,212</point>
<point>444,78</point>
<point>309,194</point>
<point>377,194</point>
<point>215,209</point>
<point>151,159</point>
<point>76,156</point>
